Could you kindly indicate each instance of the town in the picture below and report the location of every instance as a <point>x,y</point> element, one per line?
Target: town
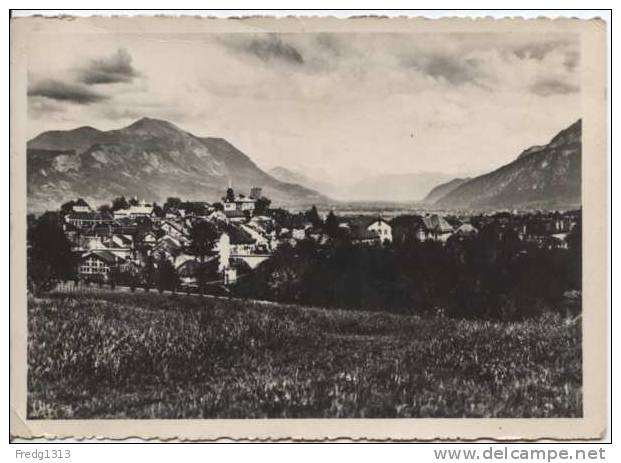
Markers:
<point>195,246</point>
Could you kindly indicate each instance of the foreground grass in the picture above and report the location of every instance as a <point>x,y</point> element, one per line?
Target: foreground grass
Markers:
<point>152,356</point>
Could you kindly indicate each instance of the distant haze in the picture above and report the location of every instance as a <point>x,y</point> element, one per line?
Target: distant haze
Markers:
<point>372,187</point>
<point>352,106</point>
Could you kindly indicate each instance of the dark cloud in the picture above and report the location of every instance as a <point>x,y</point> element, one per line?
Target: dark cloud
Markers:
<point>453,70</point>
<point>538,50</point>
<point>111,70</point>
<point>271,47</point>
<point>548,87</point>
<point>62,91</point>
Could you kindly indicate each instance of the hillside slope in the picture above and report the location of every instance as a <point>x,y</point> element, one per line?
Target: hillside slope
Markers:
<point>443,189</point>
<point>542,177</point>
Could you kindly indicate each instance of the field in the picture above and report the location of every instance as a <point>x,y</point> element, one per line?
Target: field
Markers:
<point>157,356</point>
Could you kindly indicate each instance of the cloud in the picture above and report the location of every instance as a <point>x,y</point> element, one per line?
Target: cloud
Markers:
<point>537,50</point>
<point>452,70</point>
<point>113,69</point>
<point>540,51</point>
<point>38,107</point>
<point>62,91</point>
<point>347,95</point>
<point>548,87</point>
<point>572,60</point>
<point>268,48</point>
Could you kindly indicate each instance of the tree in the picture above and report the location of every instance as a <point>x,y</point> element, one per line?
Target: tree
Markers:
<point>105,208</point>
<point>148,273</point>
<point>282,217</point>
<point>574,238</point>
<point>332,225</point>
<point>133,201</point>
<point>114,276</point>
<point>49,256</point>
<point>313,216</point>
<point>172,204</point>
<point>574,243</point>
<point>119,203</point>
<point>204,272</point>
<point>167,277</point>
<point>131,278</point>
<point>157,210</point>
<point>67,207</point>
<point>203,236</point>
<point>262,206</point>
<point>218,206</point>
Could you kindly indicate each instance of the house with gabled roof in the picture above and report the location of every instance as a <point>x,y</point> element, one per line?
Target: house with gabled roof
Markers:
<point>98,265</point>
<point>81,206</point>
<point>466,230</point>
<point>434,227</point>
<point>88,219</point>
<point>240,202</point>
<point>174,230</point>
<point>167,247</point>
<point>368,229</point>
<point>429,227</point>
<point>235,215</point>
<point>139,210</point>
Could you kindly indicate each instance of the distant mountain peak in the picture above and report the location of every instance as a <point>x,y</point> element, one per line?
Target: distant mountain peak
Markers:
<point>148,124</point>
<point>87,129</point>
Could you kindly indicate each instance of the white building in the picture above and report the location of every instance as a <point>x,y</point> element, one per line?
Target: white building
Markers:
<point>140,210</point>
<point>240,203</point>
<point>382,228</point>
<point>369,229</point>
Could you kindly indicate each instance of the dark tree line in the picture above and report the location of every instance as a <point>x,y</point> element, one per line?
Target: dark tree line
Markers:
<point>49,256</point>
<point>489,276</point>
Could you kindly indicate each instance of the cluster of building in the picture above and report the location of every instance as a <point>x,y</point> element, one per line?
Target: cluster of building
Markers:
<point>127,239</point>
<point>543,229</point>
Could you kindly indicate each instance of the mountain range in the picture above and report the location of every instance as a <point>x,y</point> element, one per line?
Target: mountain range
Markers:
<point>541,177</point>
<point>150,159</point>
<point>153,159</point>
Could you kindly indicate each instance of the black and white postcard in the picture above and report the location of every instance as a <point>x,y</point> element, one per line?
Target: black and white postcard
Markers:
<point>308,228</point>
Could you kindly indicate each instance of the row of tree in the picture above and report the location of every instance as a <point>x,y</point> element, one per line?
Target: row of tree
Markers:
<point>492,275</point>
<point>162,275</point>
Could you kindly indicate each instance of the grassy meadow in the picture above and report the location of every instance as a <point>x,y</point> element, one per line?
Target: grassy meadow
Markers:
<point>164,356</point>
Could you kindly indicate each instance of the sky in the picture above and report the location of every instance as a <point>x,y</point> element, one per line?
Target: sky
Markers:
<point>341,106</point>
